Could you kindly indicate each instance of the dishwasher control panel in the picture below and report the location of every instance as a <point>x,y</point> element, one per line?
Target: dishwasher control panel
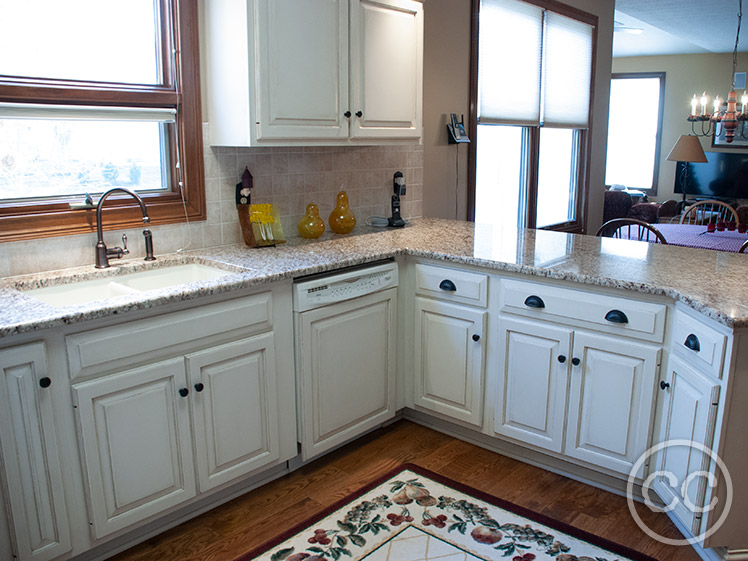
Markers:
<point>344,285</point>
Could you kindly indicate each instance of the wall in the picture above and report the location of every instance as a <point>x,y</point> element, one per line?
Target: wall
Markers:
<point>685,75</point>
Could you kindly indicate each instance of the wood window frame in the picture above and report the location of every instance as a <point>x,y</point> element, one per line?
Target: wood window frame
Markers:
<point>583,171</point>
<point>20,220</point>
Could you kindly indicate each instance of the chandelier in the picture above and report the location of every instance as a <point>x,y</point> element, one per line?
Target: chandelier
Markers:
<point>727,117</point>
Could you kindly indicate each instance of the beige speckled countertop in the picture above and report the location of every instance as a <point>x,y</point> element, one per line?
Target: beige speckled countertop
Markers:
<point>712,282</point>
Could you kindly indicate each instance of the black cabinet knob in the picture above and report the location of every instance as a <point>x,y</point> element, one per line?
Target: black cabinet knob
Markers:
<point>447,284</point>
<point>476,337</point>
<point>534,302</point>
<point>45,382</point>
<point>616,316</point>
<point>359,114</point>
<point>199,387</point>
<point>575,361</point>
<point>183,392</point>
<point>561,358</point>
<point>347,114</point>
<point>692,342</point>
<point>664,385</point>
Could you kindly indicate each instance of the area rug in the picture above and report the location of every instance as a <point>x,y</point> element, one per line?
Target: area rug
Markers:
<point>413,514</point>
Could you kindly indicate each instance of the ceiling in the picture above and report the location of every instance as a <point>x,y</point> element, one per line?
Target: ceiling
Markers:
<point>677,27</point>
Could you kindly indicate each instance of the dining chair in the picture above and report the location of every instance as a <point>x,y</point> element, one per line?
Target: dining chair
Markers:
<point>743,247</point>
<point>632,229</point>
<point>704,212</point>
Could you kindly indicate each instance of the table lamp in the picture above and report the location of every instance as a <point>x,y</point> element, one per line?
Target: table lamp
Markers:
<point>686,149</point>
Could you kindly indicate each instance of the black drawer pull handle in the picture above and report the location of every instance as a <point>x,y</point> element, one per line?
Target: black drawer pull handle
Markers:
<point>199,387</point>
<point>45,382</point>
<point>534,302</point>
<point>561,358</point>
<point>476,337</point>
<point>183,392</point>
<point>692,342</point>
<point>575,361</point>
<point>616,316</point>
<point>447,284</point>
<point>664,385</point>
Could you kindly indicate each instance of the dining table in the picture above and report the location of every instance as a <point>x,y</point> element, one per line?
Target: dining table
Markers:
<point>697,235</point>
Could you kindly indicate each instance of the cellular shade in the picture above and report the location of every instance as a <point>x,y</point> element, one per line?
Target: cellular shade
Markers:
<point>567,72</point>
<point>85,113</point>
<point>509,62</point>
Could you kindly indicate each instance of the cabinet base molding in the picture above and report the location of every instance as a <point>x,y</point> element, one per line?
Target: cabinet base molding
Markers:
<point>188,512</point>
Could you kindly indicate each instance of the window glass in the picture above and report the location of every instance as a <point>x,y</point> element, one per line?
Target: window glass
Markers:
<point>91,40</point>
<point>499,173</point>
<point>47,158</point>
<point>557,163</point>
<point>633,148</point>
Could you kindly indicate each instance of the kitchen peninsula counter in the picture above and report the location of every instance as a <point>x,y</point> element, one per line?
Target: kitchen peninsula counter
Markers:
<point>711,282</point>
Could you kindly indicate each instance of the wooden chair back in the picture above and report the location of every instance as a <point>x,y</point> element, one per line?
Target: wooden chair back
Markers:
<point>743,247</point>
<point>710,211</point>
<point>631,229</point>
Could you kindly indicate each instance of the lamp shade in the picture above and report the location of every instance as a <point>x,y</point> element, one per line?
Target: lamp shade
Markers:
<point>687,149</point>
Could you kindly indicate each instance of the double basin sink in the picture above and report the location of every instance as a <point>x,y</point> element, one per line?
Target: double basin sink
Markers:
<point>83,291</point>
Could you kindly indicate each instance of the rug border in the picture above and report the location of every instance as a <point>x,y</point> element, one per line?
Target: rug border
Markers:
<point>538,517</point>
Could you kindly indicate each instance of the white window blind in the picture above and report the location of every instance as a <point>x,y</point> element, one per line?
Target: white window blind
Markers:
<point>509,62</point>
<point>86,113</point>
<point>567,72</point>
<point>534,66</point>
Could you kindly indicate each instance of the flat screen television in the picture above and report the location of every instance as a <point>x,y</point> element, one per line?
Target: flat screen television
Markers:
<point>723,176</point>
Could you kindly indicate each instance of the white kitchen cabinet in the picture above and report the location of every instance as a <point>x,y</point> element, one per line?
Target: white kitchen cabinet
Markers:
<point>316,72</point>
<point>346,370</point>
<point>449,359</point>
<point>233,392</point>
<point>33,474</point>
<point>136,444</point>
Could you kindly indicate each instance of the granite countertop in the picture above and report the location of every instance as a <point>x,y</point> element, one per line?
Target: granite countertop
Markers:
<point>711,282</point>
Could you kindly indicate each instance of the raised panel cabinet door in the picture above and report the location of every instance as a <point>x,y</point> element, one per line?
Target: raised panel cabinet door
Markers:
<point>33,477</point>
<point>611,400</point>
<point>533,380</point>
<point>302,79</point>
<point>136,444</point>
<point>449,359</point>
<point>386,68</point>
<point>346,360</point>
<point>689,413</point>
<point>235,409</point>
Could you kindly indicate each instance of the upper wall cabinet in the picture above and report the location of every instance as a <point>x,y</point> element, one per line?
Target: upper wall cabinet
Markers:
<point>284,72</point>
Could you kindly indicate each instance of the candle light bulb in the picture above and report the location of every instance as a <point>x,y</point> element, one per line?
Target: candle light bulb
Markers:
<point>743,101</point>
<point>695,104</point>
<point>704,101</point>
<point>716,106</point>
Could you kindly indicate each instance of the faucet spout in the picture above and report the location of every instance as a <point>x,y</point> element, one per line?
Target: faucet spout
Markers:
<point>102,252</point>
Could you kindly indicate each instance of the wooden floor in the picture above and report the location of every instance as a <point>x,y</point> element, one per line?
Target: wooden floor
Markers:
<point>237,527</point>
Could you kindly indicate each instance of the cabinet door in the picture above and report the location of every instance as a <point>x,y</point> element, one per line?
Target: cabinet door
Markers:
<point>386,68</point>
<point>233,389</point>
<point>449,360</point>
<point>611,400</point>
<point>29,451</point>
<point>346,362</point>
<point>532,391</point>
<point>689,412</point>
<point>302,80</point>
<point>136,444</point>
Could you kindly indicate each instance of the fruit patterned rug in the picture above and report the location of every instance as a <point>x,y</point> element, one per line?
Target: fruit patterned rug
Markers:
<point>417,515</point>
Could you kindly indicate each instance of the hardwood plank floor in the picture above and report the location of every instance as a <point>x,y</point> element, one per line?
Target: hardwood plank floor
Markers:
<point>245,523</point>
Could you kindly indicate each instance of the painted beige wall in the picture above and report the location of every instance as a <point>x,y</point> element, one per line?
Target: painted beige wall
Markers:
<point>685,75</point>
<point>446,90</point>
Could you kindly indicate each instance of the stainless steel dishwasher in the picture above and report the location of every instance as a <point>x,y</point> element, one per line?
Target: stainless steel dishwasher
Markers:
<point>344,325</point>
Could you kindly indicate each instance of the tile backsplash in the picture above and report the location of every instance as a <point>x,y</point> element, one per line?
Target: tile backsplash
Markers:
<point>290,177</point>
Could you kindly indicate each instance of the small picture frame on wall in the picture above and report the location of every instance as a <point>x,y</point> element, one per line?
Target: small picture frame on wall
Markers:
<point>739,141</point>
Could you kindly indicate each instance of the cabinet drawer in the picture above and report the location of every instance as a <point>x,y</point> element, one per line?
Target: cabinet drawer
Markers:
<point>610,314</point>
<point>157,337</point>
<point>452,284</point>
<point>698,343</point>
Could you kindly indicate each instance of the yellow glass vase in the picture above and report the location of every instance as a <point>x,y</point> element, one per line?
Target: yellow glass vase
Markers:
<point>341,218</point>
<point>311,226</point>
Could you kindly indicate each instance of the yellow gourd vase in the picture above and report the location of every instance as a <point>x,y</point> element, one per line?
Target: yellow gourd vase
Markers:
<point>311,226</point>
<point>341,218</point>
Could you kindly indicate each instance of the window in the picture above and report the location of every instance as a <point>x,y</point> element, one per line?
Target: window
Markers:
<point>634,151</point>
<point>96,95</point>
<point>528,163</point>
